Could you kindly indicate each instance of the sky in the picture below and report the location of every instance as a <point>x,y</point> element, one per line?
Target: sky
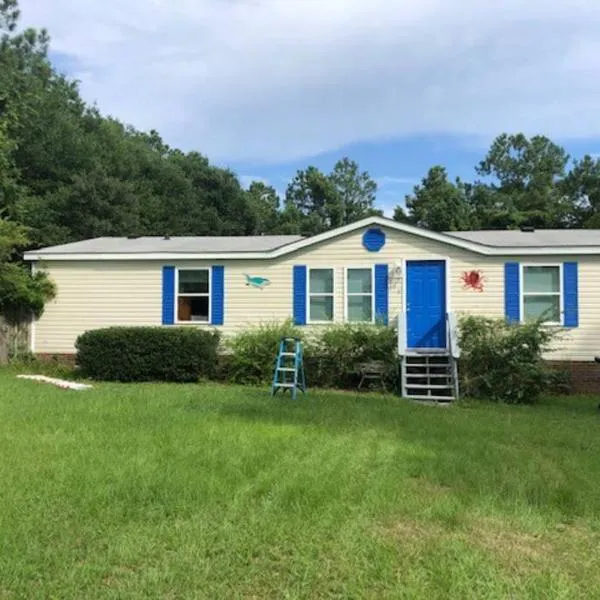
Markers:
<point>267,87</point>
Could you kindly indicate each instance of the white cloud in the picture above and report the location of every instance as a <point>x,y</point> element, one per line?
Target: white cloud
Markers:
<point>246,180</point>
<point>276,80</point>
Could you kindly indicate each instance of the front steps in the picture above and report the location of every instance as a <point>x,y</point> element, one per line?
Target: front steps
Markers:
<point>431,376</point>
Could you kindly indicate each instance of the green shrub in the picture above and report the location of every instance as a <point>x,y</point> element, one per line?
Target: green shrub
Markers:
<point>503,362</point>
<point>335,352</point>
<point>560,381</point>
<point>253,352</point>
<point>331,354</point>
<point>147,353</point>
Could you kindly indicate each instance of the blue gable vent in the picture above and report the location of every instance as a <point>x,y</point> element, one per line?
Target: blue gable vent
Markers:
<point>373,239</point>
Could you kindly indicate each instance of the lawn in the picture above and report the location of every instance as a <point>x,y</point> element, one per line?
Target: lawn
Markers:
<point>172,491</point>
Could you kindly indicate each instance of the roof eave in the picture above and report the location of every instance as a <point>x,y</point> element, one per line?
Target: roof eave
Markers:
<point>34,257</point>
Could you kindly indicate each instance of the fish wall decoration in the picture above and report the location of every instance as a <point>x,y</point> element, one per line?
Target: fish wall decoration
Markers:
<point>257,282</point>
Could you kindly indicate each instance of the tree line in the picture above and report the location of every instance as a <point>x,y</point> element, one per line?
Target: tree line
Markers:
<point>68,173</point>
<point>520,182</point>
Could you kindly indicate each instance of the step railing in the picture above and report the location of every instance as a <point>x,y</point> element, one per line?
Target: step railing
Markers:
<point>452,335</point>
<point>453,349</point>
<point>401,329</point>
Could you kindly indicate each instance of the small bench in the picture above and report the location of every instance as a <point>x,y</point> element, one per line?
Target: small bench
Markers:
<point>374,370</point>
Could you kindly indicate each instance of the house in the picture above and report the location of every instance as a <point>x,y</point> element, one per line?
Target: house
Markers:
<point>372,270</point>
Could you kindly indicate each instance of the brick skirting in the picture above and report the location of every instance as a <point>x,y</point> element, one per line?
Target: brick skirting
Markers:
<point>584,375</point>
<point>64,359</point>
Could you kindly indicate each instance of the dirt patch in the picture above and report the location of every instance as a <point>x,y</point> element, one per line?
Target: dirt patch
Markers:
<point>427,487</point>
<point>514,549</point>
<point>117,576</point>
<point>521,551</point>
<point>413,530</point>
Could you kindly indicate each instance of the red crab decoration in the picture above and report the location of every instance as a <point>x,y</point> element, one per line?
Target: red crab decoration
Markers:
<point>473,280</point>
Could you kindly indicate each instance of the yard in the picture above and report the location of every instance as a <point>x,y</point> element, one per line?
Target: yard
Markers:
<point>172,491</point>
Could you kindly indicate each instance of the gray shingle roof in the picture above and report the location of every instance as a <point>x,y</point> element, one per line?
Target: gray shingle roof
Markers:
<point>531,239</point>
<point>142,245</point>
<point>569,241</point>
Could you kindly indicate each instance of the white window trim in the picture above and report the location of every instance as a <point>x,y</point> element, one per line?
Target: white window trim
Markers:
<point>309,295</point>
<point>346,295</point>
<point>209,295</point>
<point>560,292</point>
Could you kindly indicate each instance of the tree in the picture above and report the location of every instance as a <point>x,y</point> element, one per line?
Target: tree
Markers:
<point>400,215</point>
<point>316,202</point>
<point>21,294</point>
<point>9,15</point>
<point>488,209</point>
<point>437,203</point>
<point>356,192</point>
<point>524,174</point>
<point>581,190</point>
<point>264,206</point>
<point>312,203</point>
<point>68,173</point>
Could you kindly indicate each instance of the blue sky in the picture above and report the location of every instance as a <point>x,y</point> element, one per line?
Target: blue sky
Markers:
<point>397,165</point>
<point>270,86</point>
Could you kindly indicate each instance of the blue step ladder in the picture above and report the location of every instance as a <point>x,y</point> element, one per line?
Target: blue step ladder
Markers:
<point>289,368</point>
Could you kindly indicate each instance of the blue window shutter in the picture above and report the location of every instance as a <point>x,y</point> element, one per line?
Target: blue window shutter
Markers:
<point>570,294</point>
<point>381,294</point>
<point>168,295</point>
<point>512,291</point>
<point>299,294</point>
<point>217,295</point>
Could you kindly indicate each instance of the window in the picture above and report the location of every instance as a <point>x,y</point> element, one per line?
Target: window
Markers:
<point>542,293</point>
<point>359,295</point>
<point>193,295</point>
<point>321,295</point>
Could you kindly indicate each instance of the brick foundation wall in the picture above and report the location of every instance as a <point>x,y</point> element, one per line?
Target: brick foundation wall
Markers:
<point>63,359</point>
<point>584,375</point>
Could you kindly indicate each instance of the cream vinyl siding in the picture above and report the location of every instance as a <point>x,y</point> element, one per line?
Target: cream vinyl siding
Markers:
<point>91,295</point>
<point>98,294</point>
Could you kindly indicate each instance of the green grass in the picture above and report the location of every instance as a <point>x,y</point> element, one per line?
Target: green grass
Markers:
<point>166,491</point>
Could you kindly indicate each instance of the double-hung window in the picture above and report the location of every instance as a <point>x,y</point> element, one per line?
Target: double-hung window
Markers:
<point>193,295</point>
<point>359,295</point>
<point>542,293</point>
<point>320,295</point>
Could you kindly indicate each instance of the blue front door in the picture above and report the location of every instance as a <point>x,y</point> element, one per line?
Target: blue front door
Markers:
<point>426,304</point>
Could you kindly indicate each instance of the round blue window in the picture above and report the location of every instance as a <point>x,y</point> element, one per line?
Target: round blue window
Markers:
<point>374,240</point>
